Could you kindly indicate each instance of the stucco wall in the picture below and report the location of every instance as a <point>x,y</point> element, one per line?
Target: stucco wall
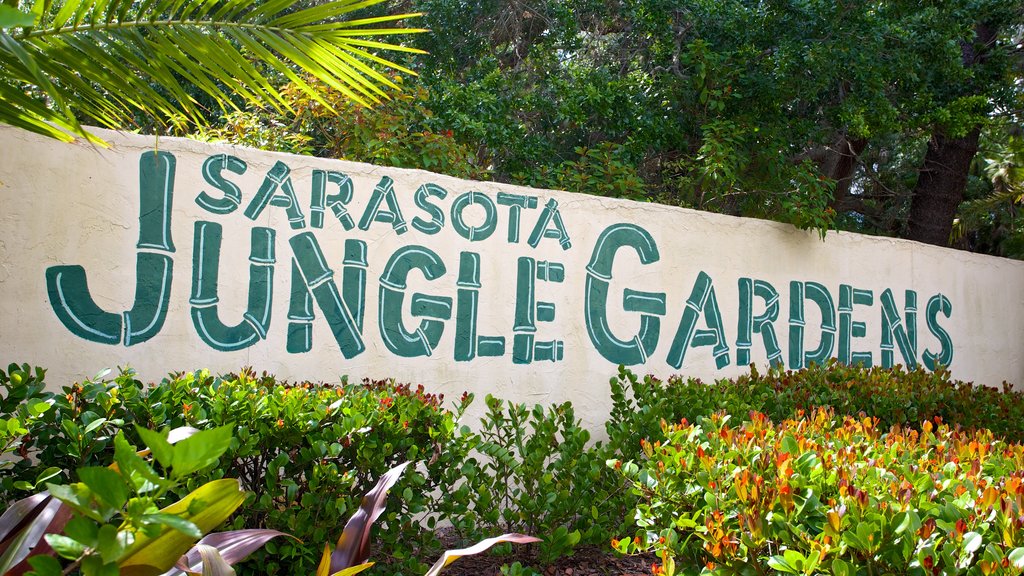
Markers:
<point>539,310</point>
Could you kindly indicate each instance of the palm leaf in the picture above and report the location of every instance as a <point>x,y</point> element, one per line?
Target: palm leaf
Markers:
<point>104,61</point>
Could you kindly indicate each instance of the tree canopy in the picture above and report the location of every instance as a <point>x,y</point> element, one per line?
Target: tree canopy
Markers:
<point>898,118</point>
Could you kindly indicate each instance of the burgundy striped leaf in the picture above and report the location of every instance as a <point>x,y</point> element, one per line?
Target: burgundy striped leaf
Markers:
<point>354,545</point>
<point>233,546</point>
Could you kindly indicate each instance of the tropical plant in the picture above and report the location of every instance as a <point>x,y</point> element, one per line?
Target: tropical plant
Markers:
<point>350,555</point>
<point>67,61</point>
<point>110,522</point>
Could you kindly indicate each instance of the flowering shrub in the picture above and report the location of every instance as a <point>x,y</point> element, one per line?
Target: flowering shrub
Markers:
<point>305,452</point>
<point>308,451</point>
<point>825,493</point>
<point>896,396</point>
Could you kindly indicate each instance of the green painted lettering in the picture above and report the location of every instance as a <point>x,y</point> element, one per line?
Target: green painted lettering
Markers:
<point>68,288</point>
<point>433,309</point>
<point>525,347</point>
<point>205,272</point>
<point>277,178</point>
<point>650,305</point>
<point>468,344</point>
<point>384,193</point>
<point>799,292</point>
<point>762,323</point>
<point>212,173</point>
<point>550,225</point>
<point>515,203</point>
<point>944,357</point>
<point>422,198</point>
<point>702,301</point>
<point>337,202</point>
<point>353,298</point>
<point>344,316</point>
<point>484,230</point>
<point>893,328</point>
<point>850,329</point>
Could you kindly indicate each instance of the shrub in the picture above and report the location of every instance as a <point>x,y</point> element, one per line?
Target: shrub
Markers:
<point>75,429</point>
<point>305,452</point>
<point>828,494</point>
<point>308,451</point>
<point>537,473</point>
<point>895,396</point>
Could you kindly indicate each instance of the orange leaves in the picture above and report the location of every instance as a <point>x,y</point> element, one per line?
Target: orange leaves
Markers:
<point>838,486</point>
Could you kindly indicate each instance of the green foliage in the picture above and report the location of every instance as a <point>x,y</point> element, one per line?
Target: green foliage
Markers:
<point>990,219</point>
<point>304,452</point>
<point>602,171</point>
<point>828,494</point>
<point>117,523</point>
<point>896,396</point>
<point>22,404</point>
<point>537,474</point>
<point>142,57</point>
<point>750,109</point>
<point>76,429</point>
<point>399,132</point>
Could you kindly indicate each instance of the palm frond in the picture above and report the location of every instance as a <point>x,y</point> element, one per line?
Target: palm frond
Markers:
<point>106,60</point>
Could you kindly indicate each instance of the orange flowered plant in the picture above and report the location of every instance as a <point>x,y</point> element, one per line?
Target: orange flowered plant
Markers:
<point>828,493</point>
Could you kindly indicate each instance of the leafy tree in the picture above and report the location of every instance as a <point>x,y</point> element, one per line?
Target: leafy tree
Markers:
<point>65,61</point>
<point>816,113</point>
<point>398,132</point>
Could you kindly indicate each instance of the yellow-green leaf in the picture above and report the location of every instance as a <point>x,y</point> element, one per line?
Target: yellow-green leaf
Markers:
<point>214,503</point>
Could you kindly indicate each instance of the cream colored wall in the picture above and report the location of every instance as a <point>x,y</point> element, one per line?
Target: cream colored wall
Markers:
<point>78,204</point>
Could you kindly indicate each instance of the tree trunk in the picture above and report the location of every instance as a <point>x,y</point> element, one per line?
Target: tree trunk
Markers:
<point>940,187</point>
<point>943,176</point>
<point>839,167</point>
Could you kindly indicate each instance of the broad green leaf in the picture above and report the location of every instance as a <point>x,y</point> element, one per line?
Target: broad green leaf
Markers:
<point>47,474</point>
<point>67,547</point>
<point>178,523</point>
<point>105,484</point>
<point>779,563</point>
<point>200,450</point>
<point>92,426</point>
<point>842,568</point>
<point>46,566</point>
<point>108,543</point>
<point>75,497</point>
<point>207,507</point>
<point>39,408</point>
<point>132,466</point>
<point>158,445</point>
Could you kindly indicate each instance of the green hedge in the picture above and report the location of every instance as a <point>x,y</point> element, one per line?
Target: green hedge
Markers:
<point>308,451</point>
